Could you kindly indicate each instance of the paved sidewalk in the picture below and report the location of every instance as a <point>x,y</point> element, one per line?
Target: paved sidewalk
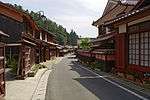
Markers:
<point>22,89</point>
<point>32,88</point>
<point>40,92</point>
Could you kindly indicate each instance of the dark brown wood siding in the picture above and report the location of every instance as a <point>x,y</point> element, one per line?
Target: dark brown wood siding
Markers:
<point>2,69</point>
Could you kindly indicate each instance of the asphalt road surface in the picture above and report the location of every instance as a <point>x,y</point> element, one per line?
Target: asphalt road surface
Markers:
<point>70,81</point>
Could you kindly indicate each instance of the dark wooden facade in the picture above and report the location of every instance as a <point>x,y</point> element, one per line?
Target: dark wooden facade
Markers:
<point>2,64</point>
<point>28,44</point>
<point>48,46</point>
<point>129,24</point>
<point>2,69</point>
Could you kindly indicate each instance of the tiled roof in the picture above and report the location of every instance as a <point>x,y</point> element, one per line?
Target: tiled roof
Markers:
<point>110,5</point>
<point>122,7</point>
<point>119,9</point>
<point>128,15</point>
<point>104,37</point>
<point>129,2</point>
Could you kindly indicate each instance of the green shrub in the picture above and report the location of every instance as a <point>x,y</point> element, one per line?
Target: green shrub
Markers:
<point>12,63</point>
<point>100,65</point>
<point>34,69</point>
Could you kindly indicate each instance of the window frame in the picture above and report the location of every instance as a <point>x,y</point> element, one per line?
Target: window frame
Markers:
<point>141,30</point>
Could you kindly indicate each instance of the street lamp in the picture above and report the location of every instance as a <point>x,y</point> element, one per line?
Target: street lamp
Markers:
<point>41,16</point>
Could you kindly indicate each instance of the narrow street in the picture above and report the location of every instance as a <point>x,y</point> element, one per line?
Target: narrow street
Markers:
<point>70,81</point>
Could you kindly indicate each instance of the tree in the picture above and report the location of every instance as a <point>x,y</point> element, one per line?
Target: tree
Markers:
<point>85,44</point>
<point>73,37</point>
<point>62,36</point>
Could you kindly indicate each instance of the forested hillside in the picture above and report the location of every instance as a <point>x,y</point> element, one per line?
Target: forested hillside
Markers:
<point>62,36</point>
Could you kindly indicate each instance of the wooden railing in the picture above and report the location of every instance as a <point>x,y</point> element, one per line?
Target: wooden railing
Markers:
<point>84,53</point>
<point>105,56</point>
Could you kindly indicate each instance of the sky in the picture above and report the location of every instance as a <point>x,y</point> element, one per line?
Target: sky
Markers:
<point>72,14</point>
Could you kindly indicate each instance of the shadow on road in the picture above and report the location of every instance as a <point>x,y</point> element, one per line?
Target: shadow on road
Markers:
<point>83,73</point>
<point>86,79</point>
<point>97,86</point>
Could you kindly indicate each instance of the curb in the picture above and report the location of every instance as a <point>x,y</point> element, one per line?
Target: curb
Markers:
<point>123,82</point>
<point>40,91</point>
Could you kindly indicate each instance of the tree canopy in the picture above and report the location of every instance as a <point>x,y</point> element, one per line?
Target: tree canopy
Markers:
<point>62,36</point>
<point>85,44</point>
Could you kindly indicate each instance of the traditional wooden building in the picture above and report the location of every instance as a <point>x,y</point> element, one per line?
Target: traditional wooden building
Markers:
<point>126,25</point>
<point>27,43</point>
<point>2,64</point>
<point>21,44</point>
<point>48,47</point>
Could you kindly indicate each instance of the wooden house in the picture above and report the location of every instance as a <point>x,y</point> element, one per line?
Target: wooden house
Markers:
<point>2,64</point>
<point>21,43</point>
<point>127,25</point>
<point>48,47</point>
<point>28,44</point>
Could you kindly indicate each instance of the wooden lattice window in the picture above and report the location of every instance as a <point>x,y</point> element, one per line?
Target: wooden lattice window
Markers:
<point>139,49</point>
<point>144,46</point>
<point>134,49</point>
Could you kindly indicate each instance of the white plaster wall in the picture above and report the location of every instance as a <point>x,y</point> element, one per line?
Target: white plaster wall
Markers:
<point>107,30</point>
<point>40,36</point>
<point>46,37</point>
<point>122,28</point>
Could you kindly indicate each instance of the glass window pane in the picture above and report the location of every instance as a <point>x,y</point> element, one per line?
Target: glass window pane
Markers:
<point>146,45</point>
<point>142,35</point>
<point>146,34</point>
<point>130,56</point>
<point>145,57</point>
<point>137,51</point>
<point>137,62</point>
<point>133,56</point>
<point>130,52</point>
<point>142,46</point>
<point>137,35</point>
<point>130,61</point>
<point>130,46</point>
<point>146,63</point>
<point>133,46</point>
<point>134,62</point>
<point>146,40</point>
<point>137,46</point>
<point>137,40</point>
<point>142,51</point>
<point>134,52</point>
<point>142,57</point>
<point>137,56</point>
<point>142,63</point>
<point>146,51</point>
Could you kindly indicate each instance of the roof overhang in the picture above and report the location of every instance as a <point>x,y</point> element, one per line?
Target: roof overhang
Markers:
<point>13,44</point>
<point>121,5</point>
<point>129,15</point>
<point>3,34</point>
<point>104,37</point>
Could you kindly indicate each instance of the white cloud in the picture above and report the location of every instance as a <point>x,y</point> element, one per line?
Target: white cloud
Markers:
<point>73,14</point>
